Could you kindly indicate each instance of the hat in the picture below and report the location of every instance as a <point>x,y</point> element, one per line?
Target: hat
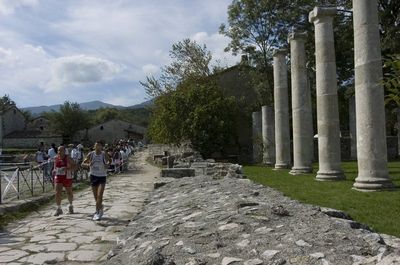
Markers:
<point>80,146</point>
<point>71,145</point>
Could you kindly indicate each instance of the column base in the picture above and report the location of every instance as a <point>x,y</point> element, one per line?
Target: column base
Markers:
<point>281,166</point>
<point>268,163</point>
<point>330,175</point>
<point>373,185</point>
<point>300,170</point>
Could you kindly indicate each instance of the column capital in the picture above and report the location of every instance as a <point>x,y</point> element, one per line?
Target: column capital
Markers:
<point>320,12</point>
<point>296,35</point>
<point>279,52</point>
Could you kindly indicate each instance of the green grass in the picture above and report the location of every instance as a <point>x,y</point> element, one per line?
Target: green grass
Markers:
<point>379,210</point>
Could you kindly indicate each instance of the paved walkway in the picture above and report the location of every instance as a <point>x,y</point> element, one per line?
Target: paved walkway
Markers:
<point>41,238</point>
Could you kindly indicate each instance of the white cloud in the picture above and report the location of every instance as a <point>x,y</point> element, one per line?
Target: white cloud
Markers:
<point>122,42</point>
<point>8,7</point>
<point>150,69</point>
<point>126,97</point>
<point>216,43</point>
<point>7,57</point>
<point>80,69</point>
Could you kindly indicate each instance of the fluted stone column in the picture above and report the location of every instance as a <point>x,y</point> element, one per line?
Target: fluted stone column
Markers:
<point>282,133</point>
<point>301,107</point>
<point>327,99</point>
<point>370,110</point>
<point>268,135</point>
<point>352,127</point>
<point>257,137</point>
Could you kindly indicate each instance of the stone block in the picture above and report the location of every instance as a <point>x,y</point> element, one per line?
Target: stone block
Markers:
<point>177,173</point>
<point>155,157</point>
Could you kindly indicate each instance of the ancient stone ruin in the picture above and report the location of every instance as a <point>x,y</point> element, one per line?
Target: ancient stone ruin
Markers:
<point>369,132</point>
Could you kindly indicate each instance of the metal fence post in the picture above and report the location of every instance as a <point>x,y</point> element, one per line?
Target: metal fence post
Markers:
<point>43,175</point>
<point>18,183</point>
<point>1,179</point>
<point>31,169</point>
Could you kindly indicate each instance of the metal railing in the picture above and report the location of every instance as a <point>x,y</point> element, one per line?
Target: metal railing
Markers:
<point>24,181</point>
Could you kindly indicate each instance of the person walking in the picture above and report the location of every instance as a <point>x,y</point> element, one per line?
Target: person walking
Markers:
<point>51,154</point>
<point>63,166</point>
<point>98,162</point>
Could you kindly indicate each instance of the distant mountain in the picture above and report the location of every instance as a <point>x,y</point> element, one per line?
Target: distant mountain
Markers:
<point>92,105</point>
<point>142,105</point>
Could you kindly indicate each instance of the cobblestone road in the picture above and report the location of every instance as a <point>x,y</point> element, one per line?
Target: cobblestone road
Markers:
<point>41,238</point>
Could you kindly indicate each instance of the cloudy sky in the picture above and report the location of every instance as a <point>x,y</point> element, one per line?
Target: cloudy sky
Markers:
<point>84,50</point>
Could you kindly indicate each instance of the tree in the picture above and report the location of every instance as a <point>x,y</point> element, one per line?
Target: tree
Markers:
<point>27,114</point>
<point>69,120</point>
<point>189,60</point>
<point>256,27</point>
<point>106,114</point>
<point>391,80</point>
<point>196,111</point>
<point>389,16</point>
<point>6,102</point>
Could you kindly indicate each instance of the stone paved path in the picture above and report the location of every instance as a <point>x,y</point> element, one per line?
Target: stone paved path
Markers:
<point>75,239</point>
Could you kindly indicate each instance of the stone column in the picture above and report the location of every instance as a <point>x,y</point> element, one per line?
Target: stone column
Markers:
<point>327,99</point>
<point>370,109</point>
<point>301,107</point>
<point>352,128</point>
<point>257,137</point>
<point>282,133</point>
<point>268,135</point>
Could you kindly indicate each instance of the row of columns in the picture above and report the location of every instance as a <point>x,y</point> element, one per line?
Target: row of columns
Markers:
<point>370,114</point>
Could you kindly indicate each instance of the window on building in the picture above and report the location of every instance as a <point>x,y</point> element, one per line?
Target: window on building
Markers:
<point>101,128</point>
<point>41,128</point>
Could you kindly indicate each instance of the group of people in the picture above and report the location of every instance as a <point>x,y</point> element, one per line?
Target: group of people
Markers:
<point>45,158</point>
<point>119,152</point>
<point>63,162</point>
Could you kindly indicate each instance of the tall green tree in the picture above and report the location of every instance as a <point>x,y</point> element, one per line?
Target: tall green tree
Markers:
<point>198,112</point>
<point>68,120</point>
<point>189,60</point>
<point>6,102</point>
<point>389,16</point>
<point>106,114</point>
<point>257,27</point>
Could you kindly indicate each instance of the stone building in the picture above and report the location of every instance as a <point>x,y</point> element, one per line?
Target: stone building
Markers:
<point>16,132</point>
<point>11,120</point>
<point>236,82</point>
<point>39,123</point>
<point>110,131</point>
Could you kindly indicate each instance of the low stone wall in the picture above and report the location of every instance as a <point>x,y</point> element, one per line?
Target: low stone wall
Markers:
<point>160,149</point>
<point>29,142</point>
<point>190,164</point>
<point>204,220</point>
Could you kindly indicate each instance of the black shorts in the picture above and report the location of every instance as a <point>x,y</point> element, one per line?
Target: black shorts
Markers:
<point>94,180</point>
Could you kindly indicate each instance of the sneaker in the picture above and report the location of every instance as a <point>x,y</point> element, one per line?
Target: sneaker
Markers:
<point>96,217</point>
<point>58,212</point>
<point>71,209</point>
<point>100,213</point>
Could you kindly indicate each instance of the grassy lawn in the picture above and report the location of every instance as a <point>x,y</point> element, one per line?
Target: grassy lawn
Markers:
<point>379,210</point>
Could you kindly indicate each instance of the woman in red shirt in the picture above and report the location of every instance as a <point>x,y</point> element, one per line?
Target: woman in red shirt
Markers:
<point>63,166</point>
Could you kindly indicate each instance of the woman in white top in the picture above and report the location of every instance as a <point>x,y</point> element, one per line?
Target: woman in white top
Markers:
<point>98,162</point>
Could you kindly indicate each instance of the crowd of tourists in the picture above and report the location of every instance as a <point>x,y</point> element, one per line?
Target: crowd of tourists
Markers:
<point>119,151</point>
<point>62,163</point>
